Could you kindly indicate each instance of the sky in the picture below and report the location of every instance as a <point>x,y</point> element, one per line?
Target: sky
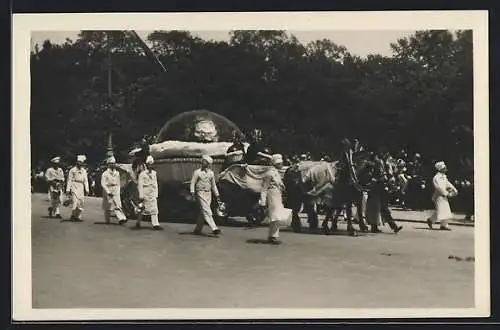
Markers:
<point>359,43</point>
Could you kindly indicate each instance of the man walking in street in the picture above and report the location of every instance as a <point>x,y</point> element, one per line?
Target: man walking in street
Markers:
<point>201,188</point>
<point>77,187</point>
<point>272,199</point>
<point>111,201</point>
<point>147,185</point>
<point>55,180</point>
<point>443,189</point>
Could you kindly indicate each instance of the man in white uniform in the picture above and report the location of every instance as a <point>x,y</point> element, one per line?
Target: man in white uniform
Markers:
<point>77,187</point>
<point>147,185</point>
<point>55,180</point>
<point>443,189</point>
<point>271,197</point>
<point>111,201</point>
<point>201,188</point>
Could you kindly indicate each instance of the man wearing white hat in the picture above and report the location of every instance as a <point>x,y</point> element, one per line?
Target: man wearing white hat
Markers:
<point>77,187</point>
<point>201,188</point>
<point>111,201</point>
<point>443,189</point>
<point>271,197</point>
<point>55,179</point>
<point>147,185</point>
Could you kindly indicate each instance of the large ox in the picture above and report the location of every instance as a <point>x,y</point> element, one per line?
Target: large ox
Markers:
<point>332,184</point>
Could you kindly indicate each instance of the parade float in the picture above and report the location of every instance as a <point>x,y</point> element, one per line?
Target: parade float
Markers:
<point>177,152</point>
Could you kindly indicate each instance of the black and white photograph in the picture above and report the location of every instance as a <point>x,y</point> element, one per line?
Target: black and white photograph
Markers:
<point>251,165</point>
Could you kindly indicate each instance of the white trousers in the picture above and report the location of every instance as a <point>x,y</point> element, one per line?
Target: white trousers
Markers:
<point>154,220</point>
<point>443,212</point>
<point>55,203</point>
<point>274,229</point>
<point>77,208</point>
<point>204,199</point>
<point>443,222</point>
<point>364,203</point>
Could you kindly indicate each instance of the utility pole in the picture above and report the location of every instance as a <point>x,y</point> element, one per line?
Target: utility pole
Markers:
<point>109,134</point>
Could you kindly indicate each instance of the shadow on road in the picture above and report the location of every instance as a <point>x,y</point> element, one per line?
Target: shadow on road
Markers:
<point>261,241</point>
<point>429,229</point>
<point>190,233</point>
<point>230,222</point>
<point>423,228</point>
<point>71,220</point>
<point>141,228</point>
<point>321,232</point>
<point>47,217</point>
<point>106,223</point>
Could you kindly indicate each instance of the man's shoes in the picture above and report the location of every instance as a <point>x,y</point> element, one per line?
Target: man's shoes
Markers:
<point>216,232</point>
<point>445,228</point>
<point>397,229</point>
<point>157,228</point>
<point>375,230</point>
<point>122,222</point>
<point>429,223</point>
<point>58,216</point>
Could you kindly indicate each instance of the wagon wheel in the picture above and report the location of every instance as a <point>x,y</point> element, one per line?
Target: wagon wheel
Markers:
<point>256,216</point>
<point>128,209</point>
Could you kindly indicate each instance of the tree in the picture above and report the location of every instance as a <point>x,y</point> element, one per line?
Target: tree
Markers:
<point>304,97</point>
<point>439,73</point>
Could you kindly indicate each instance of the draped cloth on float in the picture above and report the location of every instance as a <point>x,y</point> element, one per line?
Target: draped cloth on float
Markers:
<point>180,149</point>
<point>247,177</point>
<point>316,179</point>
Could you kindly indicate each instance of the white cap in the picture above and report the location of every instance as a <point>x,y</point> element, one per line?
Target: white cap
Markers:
<point>440,165</point>
<point>277,159</point>
<point>150,160</point>
<point>81,158</point>
<point>56,160</point>
<point>207,158</point>
<point>111,160</point>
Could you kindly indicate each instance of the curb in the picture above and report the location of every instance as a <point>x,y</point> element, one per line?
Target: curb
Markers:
<point>461,224</point>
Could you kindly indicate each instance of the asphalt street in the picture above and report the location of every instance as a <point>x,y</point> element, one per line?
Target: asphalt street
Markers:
<point>92,265</point>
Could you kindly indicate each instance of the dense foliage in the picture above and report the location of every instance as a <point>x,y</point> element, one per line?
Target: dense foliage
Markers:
<point>303,97</point>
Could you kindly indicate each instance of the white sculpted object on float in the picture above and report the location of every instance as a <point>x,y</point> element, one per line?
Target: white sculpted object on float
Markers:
<point>205,131</point>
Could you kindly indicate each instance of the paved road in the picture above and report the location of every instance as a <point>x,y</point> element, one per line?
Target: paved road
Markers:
<point>87,265</point>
